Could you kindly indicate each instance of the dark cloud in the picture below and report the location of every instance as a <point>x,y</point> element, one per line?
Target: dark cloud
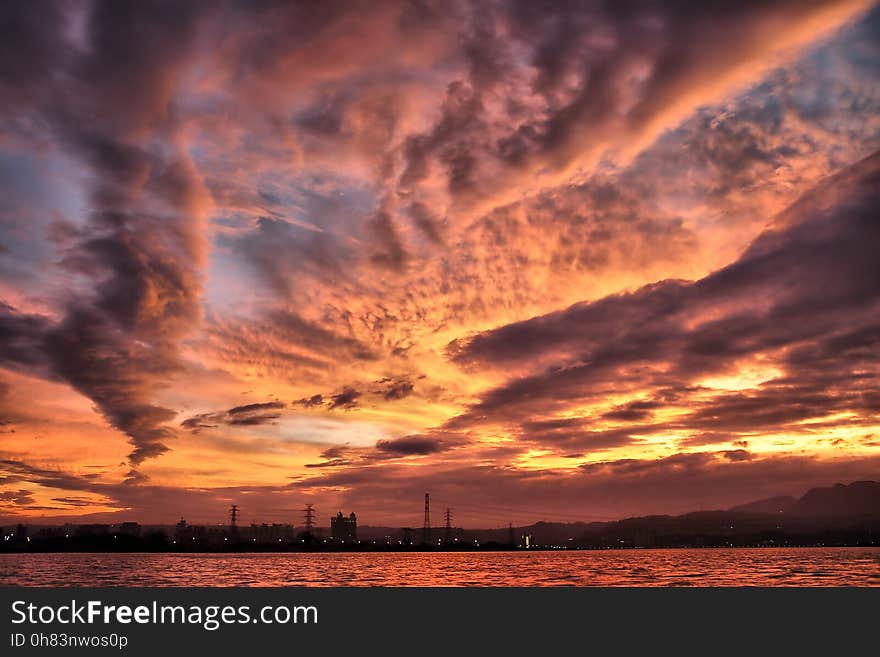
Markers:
<point>738,455</point>
<point>636,410</point>
<point>392,255</point>
<point>32,44</point>
<point>246,415</point>
<point>287,344</point>
<point>334,457</point>
<point>251,420</point>
<point>682,462</point>
<point>346,400</point>
<point>138,254</point>
<point>74,501</point>
<point>388,450</point>
<point>451,140</point>
<point>13,470</point>
<point>250,409</point>
<point>427,222</point>
<point>410,446</point>
<point>585,56</point>
<point>202,421</point>
<point>388,389</point>
<point>295,329</point>
<point>311,402</point>
<point>22,497</point>
<point>22,338</point>
<point>808,286</point>
<point>529,91</point>
<point>394,389</point>
<point>335,452</point>
<point>574,433</point>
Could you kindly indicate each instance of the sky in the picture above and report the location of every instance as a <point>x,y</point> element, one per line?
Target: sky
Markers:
<point>546,260</point>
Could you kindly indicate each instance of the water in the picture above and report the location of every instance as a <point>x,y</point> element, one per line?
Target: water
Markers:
<point>716,567</point>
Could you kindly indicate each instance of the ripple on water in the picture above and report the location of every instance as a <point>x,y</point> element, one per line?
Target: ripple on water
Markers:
<point>724,567</point>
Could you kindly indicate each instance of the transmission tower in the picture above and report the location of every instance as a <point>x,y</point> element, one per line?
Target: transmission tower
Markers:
<point>426,528</point>
<point>510,539</point>
<point>447,533</point>
<point>309,517</point>
<point>233,518</point>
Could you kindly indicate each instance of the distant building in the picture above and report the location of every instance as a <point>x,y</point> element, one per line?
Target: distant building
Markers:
<point>181,530</point>
<point>185,534</point>
<point>129,529</point>
<point>344,529</point>
<point>266,534</point>
<point>52,532</point>
<point>189,536</point>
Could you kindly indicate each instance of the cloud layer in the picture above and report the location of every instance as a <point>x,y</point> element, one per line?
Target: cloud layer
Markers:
<point>503,250</point>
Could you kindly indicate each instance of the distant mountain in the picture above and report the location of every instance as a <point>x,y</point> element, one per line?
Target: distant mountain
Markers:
<point>840,515</point>
<point>779,504</point>
<point>860,498</point>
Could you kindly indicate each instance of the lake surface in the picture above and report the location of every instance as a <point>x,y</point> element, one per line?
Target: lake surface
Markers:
<point>703,567</point>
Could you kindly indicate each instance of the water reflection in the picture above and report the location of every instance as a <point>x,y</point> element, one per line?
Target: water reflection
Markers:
<point>734,567</point>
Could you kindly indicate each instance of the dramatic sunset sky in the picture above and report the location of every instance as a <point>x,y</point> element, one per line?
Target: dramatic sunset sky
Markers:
<point>546,260</point>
